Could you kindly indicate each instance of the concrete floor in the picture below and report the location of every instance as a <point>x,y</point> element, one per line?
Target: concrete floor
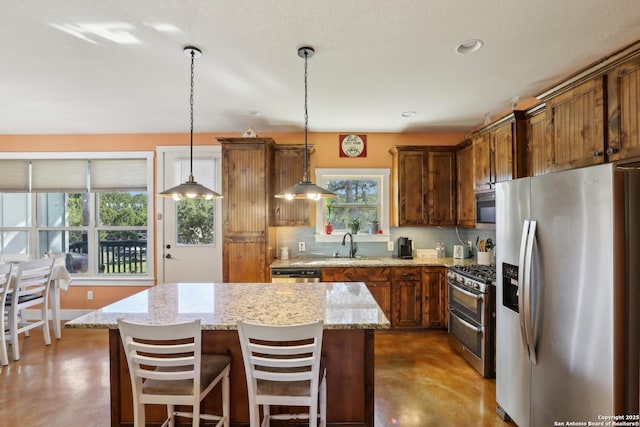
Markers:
<point>420,382</point>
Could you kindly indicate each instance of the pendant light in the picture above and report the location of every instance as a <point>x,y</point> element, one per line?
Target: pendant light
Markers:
<point>305,189</point>
<point>191,189</point>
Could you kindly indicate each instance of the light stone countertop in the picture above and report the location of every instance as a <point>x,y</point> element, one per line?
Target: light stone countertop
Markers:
<point>371,262</point>
<point>219,305</point>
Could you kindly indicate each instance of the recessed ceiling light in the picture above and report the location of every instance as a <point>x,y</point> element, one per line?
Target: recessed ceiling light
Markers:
<point>469,46</point>
<point>408,113</point>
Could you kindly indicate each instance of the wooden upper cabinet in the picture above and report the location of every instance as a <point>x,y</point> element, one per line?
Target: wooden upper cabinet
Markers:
<point>424,183</point>
<point>536,141</point>
<point>624,110</point>
<point>482,162</point>
<point>499,152</point>
<point>465,197</point>
<point>247,171</point>
<point>575,120</point>
<point>289,170</point>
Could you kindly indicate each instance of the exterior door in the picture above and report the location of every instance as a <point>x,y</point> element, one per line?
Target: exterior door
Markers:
<point>189,231</point>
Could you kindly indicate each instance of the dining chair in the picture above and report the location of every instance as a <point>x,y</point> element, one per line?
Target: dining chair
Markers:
<point>283,367</point>
<point>5,277</point>
<point>30,288</point>
<point>167,367</point>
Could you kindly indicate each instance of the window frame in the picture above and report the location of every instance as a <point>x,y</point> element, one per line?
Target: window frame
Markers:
<point>94,228</point>
<point>380,174</point>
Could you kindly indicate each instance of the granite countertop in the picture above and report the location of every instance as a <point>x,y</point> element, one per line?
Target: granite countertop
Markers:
<point>371,262</point>
<point>219,305</point>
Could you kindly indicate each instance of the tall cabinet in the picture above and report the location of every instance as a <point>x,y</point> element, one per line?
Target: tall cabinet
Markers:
<point>247,207</point>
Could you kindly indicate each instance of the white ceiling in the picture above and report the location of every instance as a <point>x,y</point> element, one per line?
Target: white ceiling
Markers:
<point>105,66</point>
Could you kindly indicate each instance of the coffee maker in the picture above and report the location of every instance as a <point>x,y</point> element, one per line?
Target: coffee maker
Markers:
<point>404,248</point>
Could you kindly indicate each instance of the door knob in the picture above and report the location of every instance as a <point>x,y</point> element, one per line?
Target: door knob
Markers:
<point>168,256</point>
<point>168,246</point>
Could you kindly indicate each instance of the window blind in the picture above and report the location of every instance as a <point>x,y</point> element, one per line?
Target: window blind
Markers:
<point>59,176</point>
<point>118,175</point>
<point>15,176</point>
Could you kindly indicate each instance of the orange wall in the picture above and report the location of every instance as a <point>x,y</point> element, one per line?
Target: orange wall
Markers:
<point>326,155</point>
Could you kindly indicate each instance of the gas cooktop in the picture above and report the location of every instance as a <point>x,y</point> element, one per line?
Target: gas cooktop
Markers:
<point>477,272</point>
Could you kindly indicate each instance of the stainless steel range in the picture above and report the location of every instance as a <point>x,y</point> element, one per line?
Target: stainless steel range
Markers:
<point>472,300</point>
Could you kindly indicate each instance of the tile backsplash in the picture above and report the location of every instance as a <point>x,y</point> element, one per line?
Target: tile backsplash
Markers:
<point>423,238</point>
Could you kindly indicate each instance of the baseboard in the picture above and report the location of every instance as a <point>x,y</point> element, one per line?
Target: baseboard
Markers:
<point>64,314</point>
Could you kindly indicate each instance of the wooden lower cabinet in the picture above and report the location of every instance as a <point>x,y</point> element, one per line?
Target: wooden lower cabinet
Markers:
<point>434,297</point>
<point>410,297</point>
<point>377,280</point>
<point>406,297</point>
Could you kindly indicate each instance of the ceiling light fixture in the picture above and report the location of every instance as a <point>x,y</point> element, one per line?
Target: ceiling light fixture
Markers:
<point>469,46</point>
<point>408,113</point>
<point>305,189</point>
<point>191,189</point>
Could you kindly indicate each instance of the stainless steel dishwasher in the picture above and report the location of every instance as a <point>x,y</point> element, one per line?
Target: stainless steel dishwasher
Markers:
<point>295,274</point>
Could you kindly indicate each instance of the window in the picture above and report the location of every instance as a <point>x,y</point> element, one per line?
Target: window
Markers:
<point>362,199</point>
<point>94,212</point>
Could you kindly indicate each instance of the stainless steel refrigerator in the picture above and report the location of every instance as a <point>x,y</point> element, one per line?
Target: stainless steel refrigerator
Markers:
<point>567,296</point>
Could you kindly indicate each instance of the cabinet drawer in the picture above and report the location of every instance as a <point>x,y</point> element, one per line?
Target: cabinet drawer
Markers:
<point>356,274</point>
<point>405,273</point>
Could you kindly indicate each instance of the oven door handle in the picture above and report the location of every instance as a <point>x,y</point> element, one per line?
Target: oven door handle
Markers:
<point>467,324</point>
<point>471,294</point>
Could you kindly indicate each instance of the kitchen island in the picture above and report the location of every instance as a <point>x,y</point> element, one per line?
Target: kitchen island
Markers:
<point>349,312</point>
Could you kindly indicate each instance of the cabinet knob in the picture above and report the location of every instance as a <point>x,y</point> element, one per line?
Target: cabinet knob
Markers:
<point>597,153</point>
<point>168,256</point>
<point>611,150</point>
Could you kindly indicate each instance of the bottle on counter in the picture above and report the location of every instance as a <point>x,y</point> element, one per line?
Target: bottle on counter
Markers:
<point>284,252</point>
<point>440,250</point>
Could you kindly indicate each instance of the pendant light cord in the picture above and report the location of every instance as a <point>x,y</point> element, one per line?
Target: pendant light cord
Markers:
<point>306,121</point>
<point>193,54</point>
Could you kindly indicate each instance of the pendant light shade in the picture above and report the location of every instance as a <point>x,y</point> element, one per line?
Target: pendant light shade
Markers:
<point>305,189</point>
<point>191,189</point>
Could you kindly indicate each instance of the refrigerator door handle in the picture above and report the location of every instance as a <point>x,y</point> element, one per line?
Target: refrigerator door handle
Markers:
<point>528,292</point>
<point>521,286</point>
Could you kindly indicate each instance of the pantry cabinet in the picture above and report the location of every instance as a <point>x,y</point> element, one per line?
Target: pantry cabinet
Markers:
<point>575,126</point>
<point>424,186</point>
<point>499,151</point>
<point>247,186</point>
<point>465,199</point>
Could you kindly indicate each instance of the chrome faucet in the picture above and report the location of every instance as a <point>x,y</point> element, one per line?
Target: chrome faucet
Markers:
<point>352,249</point>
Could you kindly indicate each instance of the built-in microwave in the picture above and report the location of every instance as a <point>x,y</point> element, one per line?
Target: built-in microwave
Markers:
<point>486,210</point>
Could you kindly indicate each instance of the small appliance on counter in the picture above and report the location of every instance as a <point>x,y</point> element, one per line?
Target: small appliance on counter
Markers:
<point>404,248</point>
<point>460,251</point>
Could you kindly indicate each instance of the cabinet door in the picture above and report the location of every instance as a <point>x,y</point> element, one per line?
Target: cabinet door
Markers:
<point>464,195</point>
<point>624,111</point>
<point>502,149</point>
<point>381,291</point>
<point>244,262</point>
<point>442,190</point>
<point>406,308</point>
<point>482,167</point>
<point>536,143</point>
<point>289,170</point>
<point>433,297</point>
<point>412,190</point>
<point>575,119</point>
